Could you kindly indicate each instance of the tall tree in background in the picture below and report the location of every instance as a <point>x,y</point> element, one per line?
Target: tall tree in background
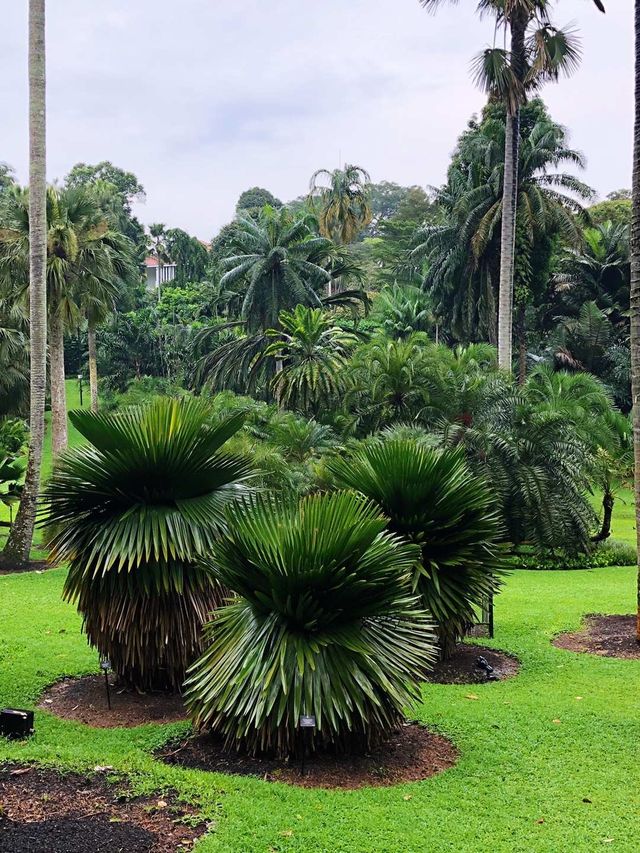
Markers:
<point>635,296</point>
<point>21,534</point>
<point>538,52</point>
<point>341,201</point>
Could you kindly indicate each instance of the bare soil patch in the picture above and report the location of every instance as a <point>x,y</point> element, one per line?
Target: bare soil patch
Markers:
<point>462,667</point>
<point>609,636</point>
<point>28,566</point>
<point>43,810</point>
<point>85,700</point>
<point>412,754</point>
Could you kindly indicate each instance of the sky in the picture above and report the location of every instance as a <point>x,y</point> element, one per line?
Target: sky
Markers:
<point>202,99</point>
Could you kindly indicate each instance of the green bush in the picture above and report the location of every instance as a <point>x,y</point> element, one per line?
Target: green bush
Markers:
<point>431,498</point>
<point>131,511</point>
<point>609,553</point>
<point>325,624</point>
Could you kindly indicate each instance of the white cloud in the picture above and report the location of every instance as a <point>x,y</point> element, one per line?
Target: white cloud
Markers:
<point>203,99</point>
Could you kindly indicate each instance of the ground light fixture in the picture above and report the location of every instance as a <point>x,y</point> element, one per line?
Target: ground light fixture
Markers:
<point>16,723</point>
<point>306,724</point>
<point>80,387</point>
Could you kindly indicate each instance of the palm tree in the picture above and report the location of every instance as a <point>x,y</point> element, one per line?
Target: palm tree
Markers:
<point>635,295</point>
<point>278,259</point>
<point>538,52</point>
<point>313,356</point>
<point>323,624</point>
<point>341,200</point>
<point>157,248</point>
<point>83,255</point>
<point>132,511</point>
<point>431,498</point>
<point>467,248</point>
<point>21,536</point>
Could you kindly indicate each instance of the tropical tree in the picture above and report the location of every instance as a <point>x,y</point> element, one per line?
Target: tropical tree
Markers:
<point>431,498</point>
<point>312,356</point>
<point>465,250</point>
<point>85,261</point>
<point>597,271</point>
<point>324,624</point>
<point>132,511</point>
<point>635,295</point>
<point>342,202</point>
<point>21,536</point>
<point>14,358</point>
<point>538,52</point>
<point>403,310</point>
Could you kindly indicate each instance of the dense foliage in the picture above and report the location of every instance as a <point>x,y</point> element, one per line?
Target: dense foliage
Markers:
<point>131,511</point>
<point>325,624</point>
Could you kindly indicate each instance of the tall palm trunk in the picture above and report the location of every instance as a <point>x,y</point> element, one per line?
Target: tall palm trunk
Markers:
<point>21,535</point>
<point>58,391</point>
<point>635,297</point>
<point>510,194</point>
<point>93,365</point>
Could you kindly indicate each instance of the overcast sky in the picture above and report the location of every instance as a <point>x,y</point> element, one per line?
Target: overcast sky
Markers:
<point>204,98</point>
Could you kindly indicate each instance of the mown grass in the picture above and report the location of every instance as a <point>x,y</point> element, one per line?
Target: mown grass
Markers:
<point>549,759</point>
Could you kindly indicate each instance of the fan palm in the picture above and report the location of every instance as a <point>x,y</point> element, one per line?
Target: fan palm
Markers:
<point>132,511</point>
<point>433,499</point>
<point>324,624</point>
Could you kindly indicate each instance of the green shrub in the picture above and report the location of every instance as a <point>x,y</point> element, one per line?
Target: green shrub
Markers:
<point>325,624</point>
<point>433,499</point>
<point>609,553</point>
<point>132,511</point>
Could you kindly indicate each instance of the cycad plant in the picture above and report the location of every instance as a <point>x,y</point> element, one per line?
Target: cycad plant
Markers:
<point>325,624</point>
<point>131,511</point>
<point>432,499</point>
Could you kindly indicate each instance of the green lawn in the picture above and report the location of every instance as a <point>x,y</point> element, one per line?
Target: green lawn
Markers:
<point>549,760</point>
<point>520,785</point>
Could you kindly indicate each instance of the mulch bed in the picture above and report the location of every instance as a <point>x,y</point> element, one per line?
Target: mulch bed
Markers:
<point>413,753</point>
<point>43,811</point>
<point>462,668</point>
<point>609,636</point>
<point>85,701</point>
<point>30,566</point>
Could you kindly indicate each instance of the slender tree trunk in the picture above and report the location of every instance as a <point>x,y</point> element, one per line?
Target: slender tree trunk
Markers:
<point>607,514</point>
<point>522,344</point>
<point>518,24</point>
<point>21,536</point>
<point>58,390</point>
<point>635,297</point>
<point>93,366</point>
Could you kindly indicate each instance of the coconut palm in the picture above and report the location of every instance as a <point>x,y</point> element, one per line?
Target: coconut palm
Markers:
<point>21,536</point>
<point>132,511</point>
<point>312,354</point>
<point>341,199</point>
<point>324,624</point>
<point>538,52</point>
<point>433,499</point>
<point>14,358</point>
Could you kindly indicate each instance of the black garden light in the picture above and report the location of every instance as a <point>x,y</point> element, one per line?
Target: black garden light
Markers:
<point>307,724</point>
<point>16,723</point>
<point>105,666</point>
<point>80,387</point>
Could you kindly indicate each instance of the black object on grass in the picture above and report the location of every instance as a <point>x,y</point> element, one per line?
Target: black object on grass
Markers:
<point>483,663</point>
<point>16,723</point>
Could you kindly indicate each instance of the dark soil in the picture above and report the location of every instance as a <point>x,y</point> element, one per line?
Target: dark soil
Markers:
<point>85,700</point>
<point>609,636</point>
<point>461,667</point>
<point>28,566</point>
<point>42,811</point>
<point>413,753</point>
